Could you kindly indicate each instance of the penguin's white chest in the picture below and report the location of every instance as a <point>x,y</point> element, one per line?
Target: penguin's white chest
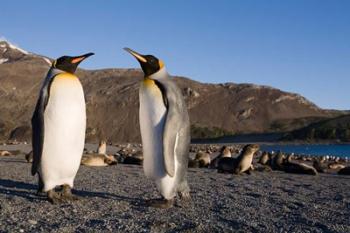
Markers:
<point>152,119</point>
<point>64,136</point>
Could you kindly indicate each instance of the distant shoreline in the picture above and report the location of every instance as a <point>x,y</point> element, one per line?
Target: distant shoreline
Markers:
<point>266,138</point>
<point>300,148</point>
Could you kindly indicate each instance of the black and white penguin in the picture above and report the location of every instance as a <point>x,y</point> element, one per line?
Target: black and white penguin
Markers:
<point>165,131</point>
<point>58,124</point>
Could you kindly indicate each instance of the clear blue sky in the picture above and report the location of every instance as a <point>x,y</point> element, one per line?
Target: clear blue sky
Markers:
<point>301,46</point>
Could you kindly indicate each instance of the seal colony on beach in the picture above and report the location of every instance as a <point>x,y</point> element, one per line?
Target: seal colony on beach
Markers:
<point>241,164</point>
<point>225,152</point>
<point>298,168</point>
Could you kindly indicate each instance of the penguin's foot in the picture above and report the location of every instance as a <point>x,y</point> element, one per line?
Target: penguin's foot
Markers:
<point>40,192</point>
<point>67,193</point>
<point>40,189</point>
<point>54,197</point>
<point>161,203</point>
<point>185,196</point>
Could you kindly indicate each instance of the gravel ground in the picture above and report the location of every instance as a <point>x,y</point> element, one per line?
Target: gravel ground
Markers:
<point>112,200</point>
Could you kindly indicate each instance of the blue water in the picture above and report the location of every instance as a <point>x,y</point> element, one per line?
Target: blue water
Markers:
<point>316,150</point>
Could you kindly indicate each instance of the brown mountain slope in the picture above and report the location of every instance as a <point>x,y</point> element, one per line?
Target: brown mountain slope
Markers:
<point>337,128</point>
<point>112,102</point>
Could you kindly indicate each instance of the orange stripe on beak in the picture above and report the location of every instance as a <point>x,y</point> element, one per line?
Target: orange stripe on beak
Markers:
<point>78,59</point>
<point>136,55</point>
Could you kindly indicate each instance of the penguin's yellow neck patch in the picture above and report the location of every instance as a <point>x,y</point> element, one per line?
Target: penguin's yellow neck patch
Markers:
<point>66,75</point>
<point>151,87</point>
<point>148,82</point>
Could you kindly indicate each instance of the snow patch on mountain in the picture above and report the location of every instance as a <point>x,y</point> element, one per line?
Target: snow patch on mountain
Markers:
<point>11,45</point>
<point>3,60</point>
<point>17,48</point>
<point>47,60</point>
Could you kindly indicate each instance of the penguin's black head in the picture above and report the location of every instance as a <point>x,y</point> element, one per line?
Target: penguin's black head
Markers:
<point>70,64</point>
<point>149,63</point>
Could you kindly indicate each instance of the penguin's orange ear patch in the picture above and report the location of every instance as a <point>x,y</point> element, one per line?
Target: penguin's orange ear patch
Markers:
<point>161,64</point>
<point>78,59</point>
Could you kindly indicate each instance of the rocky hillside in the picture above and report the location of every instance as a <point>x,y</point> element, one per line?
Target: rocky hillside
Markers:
<point>330,129</point>
<point>112,102</point>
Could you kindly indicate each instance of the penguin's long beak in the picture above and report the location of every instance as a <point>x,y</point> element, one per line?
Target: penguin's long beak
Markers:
<point>138,56</point>
<point>80,58</point>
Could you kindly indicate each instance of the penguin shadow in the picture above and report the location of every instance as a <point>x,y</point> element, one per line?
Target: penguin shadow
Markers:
<point>139,204</point>
<point>304,186</point>
<point>13,161</point>
<point>232,222</point>
<point>110,196</point>
<point>19,189</point>
<point>28,191</point>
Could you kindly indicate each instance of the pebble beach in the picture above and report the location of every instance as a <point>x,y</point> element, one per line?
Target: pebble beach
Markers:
<point>112,199</point>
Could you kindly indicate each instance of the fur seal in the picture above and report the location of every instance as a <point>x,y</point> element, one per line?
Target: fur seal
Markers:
<point>272,156</point>
<point>298,168</point>
<point>264,158</point>
<point>245,159</point>
<point>344,171</point>
<point>98,160</point>
<point>5,153</point>
<point>192,163</point>
<point>278,160</point>
<point>102,147</point>
<point>202,159</point>
<point>136,159</point>
<point>225,152</point>
<point>241,164</point>
<point>203,156</point>
<point>319,165</point>
<point>29,157</point>
<point>129,155</point>
<point>336,166</point>
<point>227,165</point>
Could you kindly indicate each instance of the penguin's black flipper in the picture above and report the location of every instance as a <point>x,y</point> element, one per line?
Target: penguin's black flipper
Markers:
<point>38,121</point>
<point>37,134</point>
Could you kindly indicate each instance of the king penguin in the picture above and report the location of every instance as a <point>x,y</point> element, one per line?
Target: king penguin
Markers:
<point>58,129</point>
<point>165,131</point>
